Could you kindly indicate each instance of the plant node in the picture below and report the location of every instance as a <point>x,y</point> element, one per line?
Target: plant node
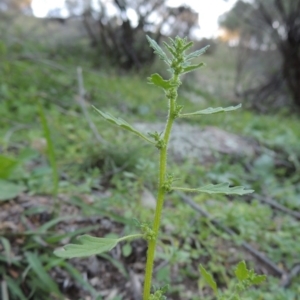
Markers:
<point>177,110</point>
<point>159,294</point>
<point>148,233</point>
<point>171,94</point>
<point>167,186</point>
<point>160,143</point>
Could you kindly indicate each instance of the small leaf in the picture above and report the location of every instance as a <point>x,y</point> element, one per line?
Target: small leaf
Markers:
<point>126,250</point>
<point>196,53</point>
<point>120,122</point>
<point>258,279</point>
<point>157,80</point>
<point>223,188</point>
<point>8,165</point>
<point>9,190</point>
<point>187,46</point>
<point>208,279</point>
<point>171,50</point>
<point>192,67</point>
<point>211,110</point>
<point>158,50</point>
<point>241,271</point>
<point>89,246</point>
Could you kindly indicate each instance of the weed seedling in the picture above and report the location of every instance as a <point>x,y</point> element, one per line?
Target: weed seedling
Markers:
<point>244,280</point>
<point>179,63</point>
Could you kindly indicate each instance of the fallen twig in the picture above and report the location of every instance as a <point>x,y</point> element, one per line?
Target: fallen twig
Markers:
<point>245,245</point>
<point>278,206</point>
<point>288,278</point>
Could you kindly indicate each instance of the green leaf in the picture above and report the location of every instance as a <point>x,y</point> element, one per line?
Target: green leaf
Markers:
<point>208,279</point>
<point>258,279</point>
<point>196,53</point>
<point>187,46</point>
<point>9,190</point>
<point>157,80</point>
<point>192,67</point>
<point>7,249</point>
<point>241,271</point>
<point>8,165</point>
<point>211,110</point>
<point>171,50</point>
<point>43,276</point>
<point>14,288</point>
<point>223,188</point>
<point>158,50</point>
<point>126,250</point>
<point>120,122</point>
<point>89,246</point>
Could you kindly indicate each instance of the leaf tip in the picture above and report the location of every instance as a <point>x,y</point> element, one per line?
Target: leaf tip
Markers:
<point>58,252</point>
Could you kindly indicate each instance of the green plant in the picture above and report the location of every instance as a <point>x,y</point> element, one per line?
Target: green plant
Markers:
<point>245,279</point>
<point>179,63</point>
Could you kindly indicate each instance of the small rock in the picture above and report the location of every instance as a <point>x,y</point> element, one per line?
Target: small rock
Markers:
<point>188,141</point>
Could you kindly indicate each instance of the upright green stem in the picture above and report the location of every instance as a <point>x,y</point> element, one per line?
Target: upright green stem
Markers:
<point>160,200</point>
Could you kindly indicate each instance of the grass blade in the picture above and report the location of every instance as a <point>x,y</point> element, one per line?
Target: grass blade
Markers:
<point>50,154</point>
<point>44,277</point>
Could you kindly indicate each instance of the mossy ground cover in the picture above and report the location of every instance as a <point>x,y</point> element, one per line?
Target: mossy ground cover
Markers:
<point>102,185</point>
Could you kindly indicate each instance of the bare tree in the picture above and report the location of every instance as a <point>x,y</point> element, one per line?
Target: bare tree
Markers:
<point>270,42</point>
<point>15,5</point>
<point>123,39</point>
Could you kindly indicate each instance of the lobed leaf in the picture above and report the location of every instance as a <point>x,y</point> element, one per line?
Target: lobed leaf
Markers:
<point>120,122</point>
<point>196,53</point>
<point>158,50</point>
<point>258,279</point>
<point>241,271</point>
<point>170,49</point>
<point>208,279</point>
<point>224,188</point>
<point>187,46</point>
<point>211,110</point>
<point>88,246</point>
<point>192,67</point>
<point>157,80</point>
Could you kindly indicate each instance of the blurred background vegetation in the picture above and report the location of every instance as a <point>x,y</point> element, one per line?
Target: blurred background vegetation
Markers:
<point>65,172</point>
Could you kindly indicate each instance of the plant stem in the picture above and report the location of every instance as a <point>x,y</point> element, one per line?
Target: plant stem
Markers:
<point>160,200</point>
<point>130,237</point>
